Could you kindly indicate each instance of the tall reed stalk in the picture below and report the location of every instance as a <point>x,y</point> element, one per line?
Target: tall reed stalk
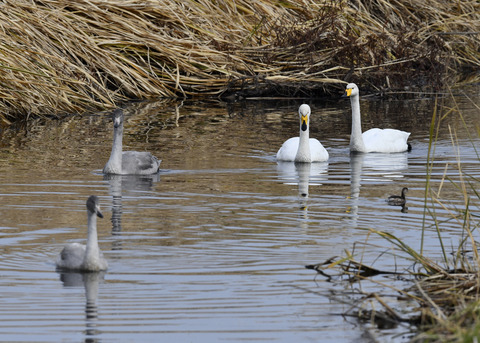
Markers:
<point>445,292</point>
<point>448,293</point>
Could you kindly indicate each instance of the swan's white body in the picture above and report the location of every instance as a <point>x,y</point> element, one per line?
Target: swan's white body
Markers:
<point>86,258</point>
<point>303,148</point>
<point>128,162</point>
<point>373,140</point>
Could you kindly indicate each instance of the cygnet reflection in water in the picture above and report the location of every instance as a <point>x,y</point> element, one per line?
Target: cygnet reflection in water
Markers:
<point>90,281</point>
<point>140,185</point>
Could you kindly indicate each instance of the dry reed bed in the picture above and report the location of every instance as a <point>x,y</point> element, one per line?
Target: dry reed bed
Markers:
<point>439,307</point>
<point>442,299</point>
<point>60,56</point>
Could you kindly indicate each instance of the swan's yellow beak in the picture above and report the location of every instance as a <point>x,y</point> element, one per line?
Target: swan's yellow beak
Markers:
<point>304,122</point>
<point>348,92</point>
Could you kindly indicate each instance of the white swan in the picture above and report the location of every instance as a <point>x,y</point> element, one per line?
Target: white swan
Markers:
<point>373,140</point>
<point>303,148</point>
<point>128,162</point>
<point>79,257</point>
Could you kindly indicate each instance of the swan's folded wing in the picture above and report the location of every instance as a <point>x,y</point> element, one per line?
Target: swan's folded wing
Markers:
<point>288,150</point>
<point>317,151</point>
<point>385,140</point>
<point>137,162</point>
<point>71,257</point>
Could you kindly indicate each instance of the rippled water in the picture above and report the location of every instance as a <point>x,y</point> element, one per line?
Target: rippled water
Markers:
<point>214,247</point>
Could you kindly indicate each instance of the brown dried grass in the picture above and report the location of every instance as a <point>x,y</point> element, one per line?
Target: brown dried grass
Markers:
<point>59,56</point>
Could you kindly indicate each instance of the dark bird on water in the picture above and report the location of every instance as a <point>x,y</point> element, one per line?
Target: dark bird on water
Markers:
<point>398,200</point>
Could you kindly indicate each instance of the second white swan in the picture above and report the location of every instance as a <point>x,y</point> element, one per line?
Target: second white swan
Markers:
<point>373,140</point>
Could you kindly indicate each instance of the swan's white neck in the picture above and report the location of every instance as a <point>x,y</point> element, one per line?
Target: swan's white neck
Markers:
<point>356,139</point>
<point>114,164</point>
<point>92,251</point>
<point>303,152</point>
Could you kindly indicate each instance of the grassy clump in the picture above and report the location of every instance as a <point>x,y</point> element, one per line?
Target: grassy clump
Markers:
<point>62,56</point>
<point>444,296</point>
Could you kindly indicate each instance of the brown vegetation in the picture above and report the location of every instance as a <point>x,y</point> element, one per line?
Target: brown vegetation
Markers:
<point>442,300</point>
<point>63,56</point>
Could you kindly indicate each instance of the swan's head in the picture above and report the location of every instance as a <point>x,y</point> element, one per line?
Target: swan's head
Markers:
<point>93,205</point>
<point>404,191</point>
<point>304,112</point>
<point>351,90</point>
<point>117,117</point>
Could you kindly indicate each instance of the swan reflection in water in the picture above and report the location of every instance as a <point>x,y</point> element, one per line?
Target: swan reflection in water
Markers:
<point>90,282</point>
<point>373,168</point>
<point>303,175</point>
<point>130,183</point>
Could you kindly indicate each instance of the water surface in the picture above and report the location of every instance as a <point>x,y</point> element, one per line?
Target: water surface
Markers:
<point>213,248</point>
